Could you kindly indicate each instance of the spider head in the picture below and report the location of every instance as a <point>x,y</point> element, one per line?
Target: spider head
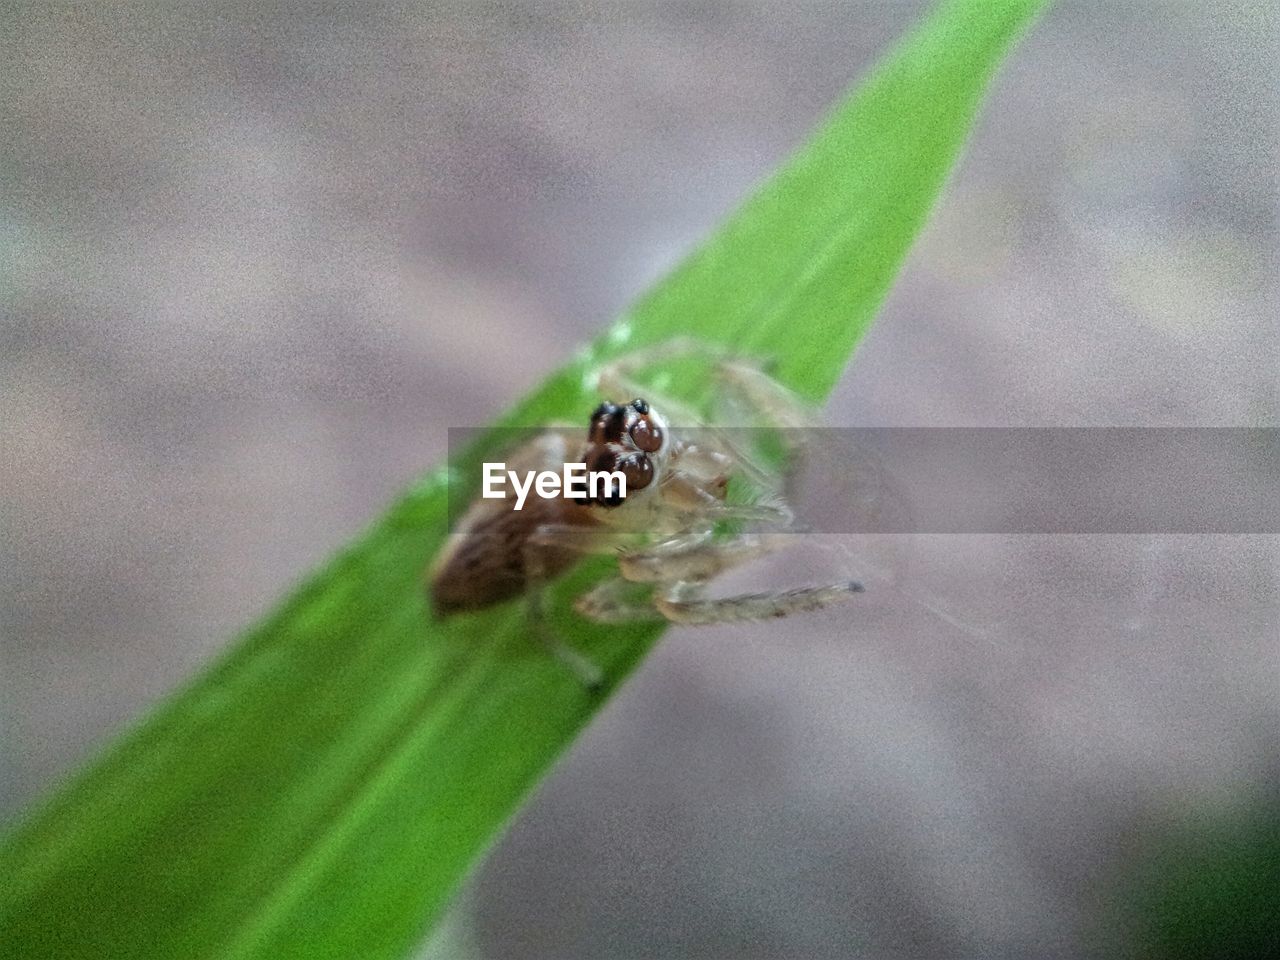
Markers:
<point>630,439</point>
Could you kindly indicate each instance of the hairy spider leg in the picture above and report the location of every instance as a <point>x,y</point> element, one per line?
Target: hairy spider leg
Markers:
<point>680,575</point>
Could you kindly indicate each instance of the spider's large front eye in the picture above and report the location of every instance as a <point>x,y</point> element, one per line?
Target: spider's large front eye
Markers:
<point>605,461</point>
<point>646,435</point>
<point>607,423</point>
<point>635,467</point>
<point>638,470</point>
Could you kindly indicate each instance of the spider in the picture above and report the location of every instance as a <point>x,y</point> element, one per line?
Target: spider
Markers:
<point>667,533</point>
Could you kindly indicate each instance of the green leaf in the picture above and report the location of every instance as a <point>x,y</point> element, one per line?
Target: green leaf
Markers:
<point>324,789</point>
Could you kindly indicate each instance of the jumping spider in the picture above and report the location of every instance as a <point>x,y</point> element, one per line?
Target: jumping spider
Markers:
<point>668,532</point>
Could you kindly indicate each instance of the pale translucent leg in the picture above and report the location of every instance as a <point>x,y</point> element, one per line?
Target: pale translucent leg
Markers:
<point>747,381</point>
<point>688,498</point>
<point>684,555</point>
<point>680,570</point>
<point>679,608</point>
<point>753,397</point>
<point>696,561</point>
<point>537,576</point>
<point>608,602</point>
<point>673,349</point>
<point>592,541</point>
<point>764,396</point>
<point>687,557</point>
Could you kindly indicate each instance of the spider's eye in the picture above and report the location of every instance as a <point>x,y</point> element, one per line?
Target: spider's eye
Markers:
<point>602,461</point>
<point>607,423</point>
<point>606,462</point>
<point>638,469</point>
<point>635,467</point>
<point>640,406</point>
<point>646,435</point>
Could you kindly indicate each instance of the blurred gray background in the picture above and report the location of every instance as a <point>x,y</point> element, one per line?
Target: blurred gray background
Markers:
<point>256,259</point>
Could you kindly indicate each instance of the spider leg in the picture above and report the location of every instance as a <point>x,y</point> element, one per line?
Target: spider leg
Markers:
<point>607,602</point>
<point>681,566</point>
<point>750,396</point>
<point>681,575</point>
<point>695,561</point>
<point>549,543</point>
<point>673,349</point>
<point>688,497</point>
<point>690,555</point>
<point>677,605</point>
<point>747,385</point>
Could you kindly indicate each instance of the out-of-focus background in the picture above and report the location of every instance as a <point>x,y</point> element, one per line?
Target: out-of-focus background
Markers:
<point>256,259</point>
